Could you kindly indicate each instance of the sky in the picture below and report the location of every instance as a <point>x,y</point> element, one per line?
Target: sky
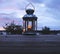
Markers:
<point>47,11</point>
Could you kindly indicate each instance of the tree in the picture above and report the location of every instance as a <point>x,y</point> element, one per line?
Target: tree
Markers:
<point>13,28</point>
<point>46,30</point>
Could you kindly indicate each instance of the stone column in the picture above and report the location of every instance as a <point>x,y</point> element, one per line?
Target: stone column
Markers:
<point>36,25</point>
<point>25,25</point>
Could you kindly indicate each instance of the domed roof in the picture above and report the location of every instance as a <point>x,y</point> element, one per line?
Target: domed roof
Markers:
<point>29,11</point>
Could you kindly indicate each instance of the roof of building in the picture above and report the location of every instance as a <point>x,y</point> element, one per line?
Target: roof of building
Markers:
<point>29,16</point>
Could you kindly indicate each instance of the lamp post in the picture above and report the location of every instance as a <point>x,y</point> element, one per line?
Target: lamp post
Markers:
<point>30,20</point>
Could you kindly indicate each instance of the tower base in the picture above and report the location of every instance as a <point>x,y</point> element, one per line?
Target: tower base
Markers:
<point>29,33</point>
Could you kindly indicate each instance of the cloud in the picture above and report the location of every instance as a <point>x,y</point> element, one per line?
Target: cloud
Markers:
<point>8,18</point>
<point>47,11</point>
<point>13,4</point>
<point>52,4</point>
<point>47,17</point>
<point>35,1</point>
<point>49,3</point>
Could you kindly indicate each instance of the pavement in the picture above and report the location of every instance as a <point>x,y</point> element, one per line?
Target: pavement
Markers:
<point>44,44</point>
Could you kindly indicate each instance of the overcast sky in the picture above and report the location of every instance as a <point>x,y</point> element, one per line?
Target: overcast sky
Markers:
<point>47,11</point>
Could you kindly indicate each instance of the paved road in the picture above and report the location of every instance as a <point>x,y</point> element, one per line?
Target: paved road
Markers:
<point>30,44</point>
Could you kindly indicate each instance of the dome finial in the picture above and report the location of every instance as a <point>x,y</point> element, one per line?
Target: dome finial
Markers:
<point>30,6</point>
